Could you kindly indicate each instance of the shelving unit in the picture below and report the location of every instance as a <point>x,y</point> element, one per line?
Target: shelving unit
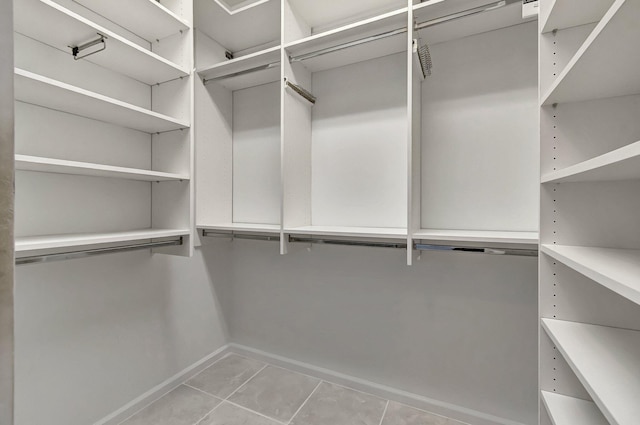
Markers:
<point>353,232</point>
<point>589,184</point>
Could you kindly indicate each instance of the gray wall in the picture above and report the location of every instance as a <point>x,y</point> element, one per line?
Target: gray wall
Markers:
<point>93,334</point>
<point>6,212</point>
<point>459,328</point>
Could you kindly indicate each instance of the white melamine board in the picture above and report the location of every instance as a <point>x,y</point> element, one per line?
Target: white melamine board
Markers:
<point>329,13</point>
<point>621,164</point>
<point>225,72</point>
<point>611,46</point>
<point>34,243</point>
<point>148,19</point>
<point>359,145</point>
<point>564,410</point>
<point>479,133</point>
<point>241,30</point>
<point>526,238</point>
<point>606,362</point>
<point>60,166</point>
<point>242,227</point>
<point>344,231</point>
<point>171,208</point>
<point>172,152</point>
<point>565,14</point>
<point>256,155</point>
<point>56,26</point>
<point>615,269</point>
<point>43,91</point>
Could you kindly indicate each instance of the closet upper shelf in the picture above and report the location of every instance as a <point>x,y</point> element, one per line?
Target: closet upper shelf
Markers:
<point>43,91</point>
<point>563,14</point>
<point>564,410</point>
<point>605,360</point>
<point>233,74</point>
<point>61,166</point>
<point>615,269</point>
<point>344,231</point>
<point>242,227</point>
<point>36,243</point>
<point>488,236</point>
<point>607,63</point>
<point>158,23</point>
<point>391,21</point>
<point>52,24</point>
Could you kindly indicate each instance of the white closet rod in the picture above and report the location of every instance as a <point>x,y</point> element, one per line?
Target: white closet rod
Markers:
<point>417,27</point>
<point>45,258</point>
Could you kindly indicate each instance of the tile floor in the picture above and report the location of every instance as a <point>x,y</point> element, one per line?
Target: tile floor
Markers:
<point>237,390</point>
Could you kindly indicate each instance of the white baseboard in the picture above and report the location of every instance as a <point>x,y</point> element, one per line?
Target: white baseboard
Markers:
<point>430,405</point>
<point>161,389</point>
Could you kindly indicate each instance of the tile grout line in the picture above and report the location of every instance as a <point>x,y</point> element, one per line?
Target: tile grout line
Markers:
<point>202,391</point>
<point>305,402</point>
<point>254,412</point>
<point>245,382</point>
<point>384,412</point>
<point>210,412</point>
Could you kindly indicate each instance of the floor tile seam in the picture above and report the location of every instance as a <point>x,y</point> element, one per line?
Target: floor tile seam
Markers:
<point>384,412</point>
<point>203,392</point>
<point>246,381</point>
<point>254,412</point>
<point>305,401</point>
<point>210,412</point>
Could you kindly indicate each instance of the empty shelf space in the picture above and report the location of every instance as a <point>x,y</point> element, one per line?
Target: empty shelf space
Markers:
<point>606,362</point>
<point>42,91</point>
<point>52,24</point>
<point>242,227</point>
<point>564,14</point>
<point>620,164</point>
<point>159,22</point>
<point>322,44</point>
<point>321,15</point>
<point>489,236</point>
<point>61,166</point>
<point>615,269</point>
<point>246,71</point>
<point>564,410</point>
<point>344,231</point>
<point>35,243</point>
<point>610,46</point>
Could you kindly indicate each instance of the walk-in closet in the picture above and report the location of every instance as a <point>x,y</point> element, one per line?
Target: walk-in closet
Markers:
<point>299,212</point>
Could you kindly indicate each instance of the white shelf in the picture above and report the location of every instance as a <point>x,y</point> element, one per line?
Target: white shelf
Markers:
<point>61,166</point>
<point>242,227</point>
<point>35,243</point>
<point>620,164</point>
<point>564,14</point>
<point>615,269</point>
<point>489,236</point>
<point>345,34</point>
<point>342,231</point>
<point>326,13</point>
<point>158,22</point>
<point>606,360</point>
<point>52,24</point>
<point>227,70</point>
<point>564,410</point>
<point>607,64</point>
<point>38,90</point>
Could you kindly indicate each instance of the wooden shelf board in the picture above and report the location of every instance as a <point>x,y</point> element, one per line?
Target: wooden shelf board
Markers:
<point>35,243</point>
<point>242,227</point>
<point>61,166</point>
<point>38,90</point>
<point>490,236</point>
<point>320,15</point>
<point>564,14</point>
<point>344,231</point>
<point>615,269</point>
<point>605,360</point>
<point>564,410</point>
<point>158,22</point>
<point>358,30</point>
<point>610,46</point>
<point>52,24</point>
<point>620,164</point>
<point>243,63</point>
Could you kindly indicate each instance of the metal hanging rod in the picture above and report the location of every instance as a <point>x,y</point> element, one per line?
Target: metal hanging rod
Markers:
<point>395,245</point>
<point>206,81</point>
<point>75,50</point>
<point>305,94</point>
<point>248,236</point>
<point>45,258</point>
<point>417,26</point>
<point>479,250</point>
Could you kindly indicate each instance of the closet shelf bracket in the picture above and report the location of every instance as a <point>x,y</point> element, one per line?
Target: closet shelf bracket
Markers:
<point>76,50</point>
<point>305,94</point>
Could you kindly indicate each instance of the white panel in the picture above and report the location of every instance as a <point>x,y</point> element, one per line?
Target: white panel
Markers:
<point>359,147</point>
<point>256,155</point>
<point>293,26</point>
<point>172,152</point>
<point>173,99</point>
<point>208,51</point>
<point>569,410</point>
<point>479,133</point>
<point>561,14</point>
